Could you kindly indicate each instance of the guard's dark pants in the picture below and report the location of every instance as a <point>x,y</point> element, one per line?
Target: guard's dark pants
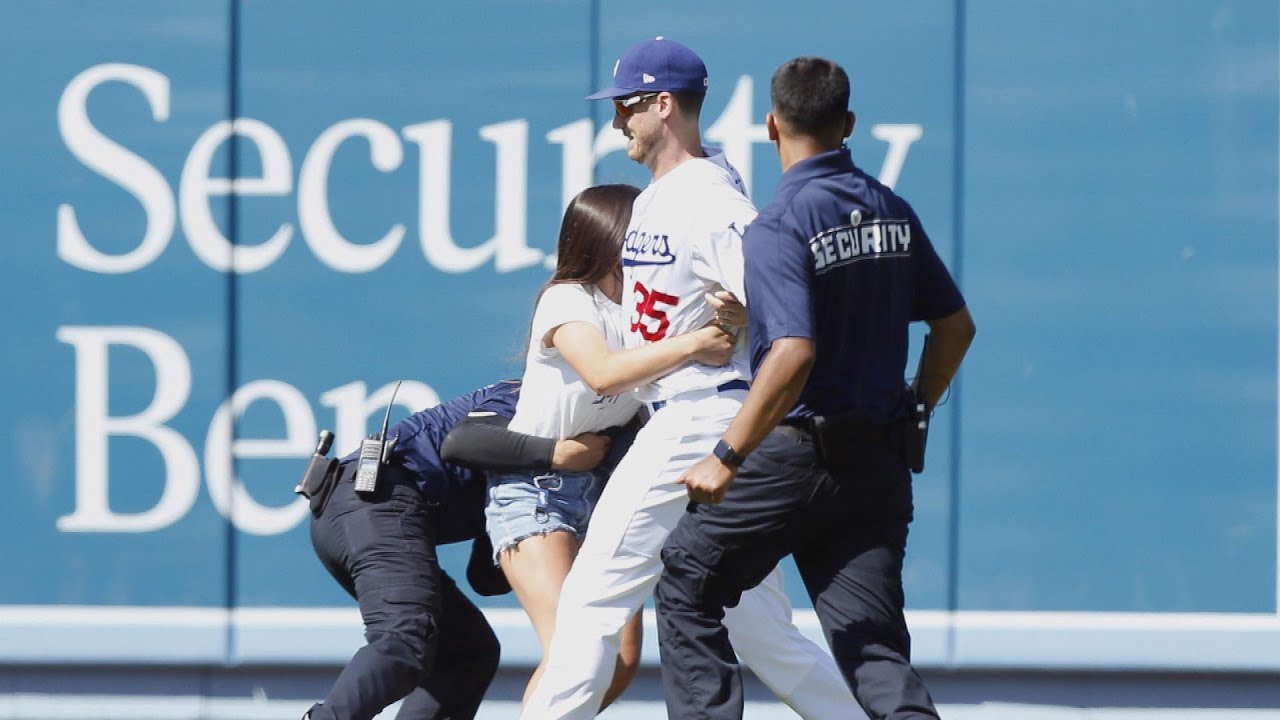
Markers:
<point>423,634</point>
<point>848,533</point>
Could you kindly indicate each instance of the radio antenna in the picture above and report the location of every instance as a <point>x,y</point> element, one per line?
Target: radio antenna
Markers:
<point>386,418</point>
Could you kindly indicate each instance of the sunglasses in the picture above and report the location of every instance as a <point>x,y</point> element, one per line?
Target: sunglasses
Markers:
<point>626,107</point>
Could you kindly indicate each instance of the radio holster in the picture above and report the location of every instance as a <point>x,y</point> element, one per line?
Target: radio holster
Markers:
<point>320,476</point>
<point>916,434</point>
<point>916,424</point>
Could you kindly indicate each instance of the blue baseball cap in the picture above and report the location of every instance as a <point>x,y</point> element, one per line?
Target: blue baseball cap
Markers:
<point>657,65</point>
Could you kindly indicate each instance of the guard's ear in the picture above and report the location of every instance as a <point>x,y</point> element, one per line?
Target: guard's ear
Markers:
<point>849,121</point>
<point>771,126</point>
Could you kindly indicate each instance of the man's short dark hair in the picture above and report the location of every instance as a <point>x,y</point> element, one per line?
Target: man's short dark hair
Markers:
<point>810,94</point>
<point>690,103</point>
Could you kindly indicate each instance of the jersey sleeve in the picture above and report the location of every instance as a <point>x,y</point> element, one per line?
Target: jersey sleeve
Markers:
<point>936,295</point>
<point>562,304</point>
<point>717,250</point>
<point>779,283</point>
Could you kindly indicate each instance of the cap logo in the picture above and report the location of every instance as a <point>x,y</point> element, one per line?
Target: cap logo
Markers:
<point>616,63</point>
<point>648,78</point>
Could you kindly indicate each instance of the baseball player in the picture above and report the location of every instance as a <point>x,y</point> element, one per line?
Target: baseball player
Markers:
<point>683,242</point>
<point>837,267</point>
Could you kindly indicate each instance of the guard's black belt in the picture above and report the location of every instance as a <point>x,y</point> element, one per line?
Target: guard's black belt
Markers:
<point>839,440</point>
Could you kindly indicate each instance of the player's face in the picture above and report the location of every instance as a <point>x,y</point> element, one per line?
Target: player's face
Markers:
<point>636,116</point>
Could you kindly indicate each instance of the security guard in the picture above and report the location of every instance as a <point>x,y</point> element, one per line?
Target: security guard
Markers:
<point>837,266</point>
<point>422,632</point>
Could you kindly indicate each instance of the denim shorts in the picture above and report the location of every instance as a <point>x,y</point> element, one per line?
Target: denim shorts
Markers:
<point>522,505</point>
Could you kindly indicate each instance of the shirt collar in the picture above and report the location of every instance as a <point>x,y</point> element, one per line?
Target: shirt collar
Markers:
<point>827,163</point>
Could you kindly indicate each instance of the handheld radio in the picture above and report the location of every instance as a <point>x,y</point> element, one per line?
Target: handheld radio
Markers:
<point>374,452</point>
<point>917,437</point>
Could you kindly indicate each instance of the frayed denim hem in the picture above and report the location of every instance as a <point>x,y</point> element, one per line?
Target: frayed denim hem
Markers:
<point>515,541</point>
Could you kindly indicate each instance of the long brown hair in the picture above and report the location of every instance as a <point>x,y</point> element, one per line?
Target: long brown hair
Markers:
<point>591,237</point>
<point>591,234</point>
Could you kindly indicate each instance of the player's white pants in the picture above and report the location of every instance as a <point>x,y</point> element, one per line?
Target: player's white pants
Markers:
<point>619,565</point>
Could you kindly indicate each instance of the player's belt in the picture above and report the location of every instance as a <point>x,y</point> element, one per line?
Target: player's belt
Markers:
<point>738,384</point>
<point>734,385</point>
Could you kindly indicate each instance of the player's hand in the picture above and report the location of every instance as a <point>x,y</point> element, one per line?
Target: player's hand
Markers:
<point>580,452</point>
<point>708,481</point>
<point>730,313</point>
<point>714,345</point>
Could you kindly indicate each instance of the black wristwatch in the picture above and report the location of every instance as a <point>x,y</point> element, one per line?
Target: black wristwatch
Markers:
<point>727,455</point>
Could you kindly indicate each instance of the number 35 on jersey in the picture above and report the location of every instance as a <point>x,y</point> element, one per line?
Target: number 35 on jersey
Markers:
<point>650,316</point>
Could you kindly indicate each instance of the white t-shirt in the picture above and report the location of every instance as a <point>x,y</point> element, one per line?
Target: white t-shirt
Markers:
<point>685,240</point>
<point>554,401</point>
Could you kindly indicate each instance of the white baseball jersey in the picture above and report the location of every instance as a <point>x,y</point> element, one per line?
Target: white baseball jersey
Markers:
<point>555,402</point>
<point>685,240</point>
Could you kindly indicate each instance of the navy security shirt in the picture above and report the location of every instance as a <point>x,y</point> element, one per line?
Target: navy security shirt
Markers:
<point>458,491</point>
<point>840,259</point>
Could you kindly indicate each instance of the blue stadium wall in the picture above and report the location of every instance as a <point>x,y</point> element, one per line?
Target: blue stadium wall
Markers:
<point>226,226</point>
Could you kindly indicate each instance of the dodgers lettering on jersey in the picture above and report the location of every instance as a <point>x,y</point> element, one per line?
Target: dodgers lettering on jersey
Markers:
<point>684,241</point>
<point>842,245</point>
<point>643,248</point>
